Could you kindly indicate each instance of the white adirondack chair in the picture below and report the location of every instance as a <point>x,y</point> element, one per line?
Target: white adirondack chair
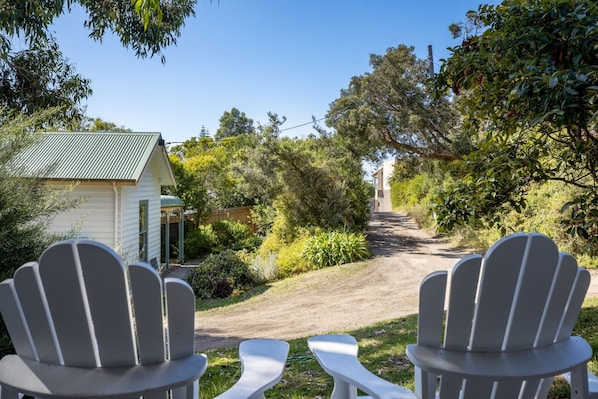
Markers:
<point>507,331</point>
<point>84,325</point>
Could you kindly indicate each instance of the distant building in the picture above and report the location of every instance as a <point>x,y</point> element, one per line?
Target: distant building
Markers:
<point>381,182</point>
<point>119,177</point>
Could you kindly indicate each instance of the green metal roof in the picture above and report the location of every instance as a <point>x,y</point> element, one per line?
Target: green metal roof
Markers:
<point>91,155</point>
<point>170,201</point>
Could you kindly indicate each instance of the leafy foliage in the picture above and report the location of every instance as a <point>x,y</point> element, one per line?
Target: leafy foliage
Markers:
<point>99,125</point>
<point>26,204</point>
<point>529,83</point>
<point>200,242</point>
<point>234,123</point>
<point>220,236</point>
<point>335,248</point>
<point>395,106</point>
<point>39,76</point>
<point>203,170</point>
<point>219,275</point>
<point>311,182</point>
<point>290,260</point>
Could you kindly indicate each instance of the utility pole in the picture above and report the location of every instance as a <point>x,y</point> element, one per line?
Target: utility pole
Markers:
<point>430,61</point>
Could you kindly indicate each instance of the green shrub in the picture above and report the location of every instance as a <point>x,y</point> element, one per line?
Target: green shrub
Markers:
<point>262,216</point>
<point>200,242</point>
<point>335,248</point>
<point>230,234</point>
<point>271,244</point>
<point>408,193</point>
<point>542,214</point>
<point>219,275</point>
<point>251,244</point>
<point>290,259</point>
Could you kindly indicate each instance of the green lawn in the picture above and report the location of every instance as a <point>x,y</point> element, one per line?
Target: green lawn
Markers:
<point>382,350</point>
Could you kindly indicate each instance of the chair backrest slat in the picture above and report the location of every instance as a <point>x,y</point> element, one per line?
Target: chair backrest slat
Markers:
<point>538,268</point>
<point>500,273</point>
<point>14,320</point>
<point>475,388</point>
<point>62,283</point>
<point>564,279</point>
<point>507,389</point>
<point>35,309</point>
<point>582,283</point>
<point>432,295</point>
<point>461,309</point>
<point>107,296</point>
<point>146,290</point>
<point>180,308</point>
<point>180,305</point>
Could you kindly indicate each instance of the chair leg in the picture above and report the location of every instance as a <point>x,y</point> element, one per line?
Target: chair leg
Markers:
<point>8,393</point>
<point>425,384</point>
<point>343,390</point>
<point>579,382</point>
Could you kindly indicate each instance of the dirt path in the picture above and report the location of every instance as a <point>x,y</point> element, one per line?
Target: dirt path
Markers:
<point>338,298</point>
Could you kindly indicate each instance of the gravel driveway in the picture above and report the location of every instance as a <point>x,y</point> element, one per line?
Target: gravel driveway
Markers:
<point>340,298</point>
<point>337,298</point>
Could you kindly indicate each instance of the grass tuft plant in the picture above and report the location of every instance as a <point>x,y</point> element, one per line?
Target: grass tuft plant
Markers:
<point>335,248</point>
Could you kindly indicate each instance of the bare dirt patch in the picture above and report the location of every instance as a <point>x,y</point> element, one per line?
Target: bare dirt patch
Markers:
<point>337,298</point>
<point>343,297</point>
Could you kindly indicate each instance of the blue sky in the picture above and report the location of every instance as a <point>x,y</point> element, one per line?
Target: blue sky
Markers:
<point>290,57</point>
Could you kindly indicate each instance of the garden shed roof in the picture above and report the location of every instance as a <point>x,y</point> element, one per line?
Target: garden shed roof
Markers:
<point>99,156</point>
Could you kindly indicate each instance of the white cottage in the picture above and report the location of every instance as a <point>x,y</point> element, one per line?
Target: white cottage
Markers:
<point>118,176</point>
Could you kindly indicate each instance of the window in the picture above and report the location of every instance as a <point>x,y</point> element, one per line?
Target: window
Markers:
<point>143,225</point>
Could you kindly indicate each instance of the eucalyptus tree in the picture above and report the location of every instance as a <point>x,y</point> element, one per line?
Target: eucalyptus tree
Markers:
<point>40,76</point>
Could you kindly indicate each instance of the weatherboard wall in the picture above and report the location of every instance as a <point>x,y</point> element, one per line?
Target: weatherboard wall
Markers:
<point>92,219</point>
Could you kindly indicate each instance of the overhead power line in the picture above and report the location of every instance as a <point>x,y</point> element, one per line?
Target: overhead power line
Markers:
<point>303,124</point>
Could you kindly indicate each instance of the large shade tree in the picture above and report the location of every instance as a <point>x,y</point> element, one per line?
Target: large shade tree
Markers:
<point>528,90</point>
<point>394,107</point>
<point>38,75</point>
<point>39,89</point>
<point>234,123</point>
<point>314,182</point>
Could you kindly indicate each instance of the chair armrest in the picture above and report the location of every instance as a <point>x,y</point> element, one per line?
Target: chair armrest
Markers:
<point>47,380</point>
<point>337,354</point>
<point>263,362</point>
<point>546,361</point>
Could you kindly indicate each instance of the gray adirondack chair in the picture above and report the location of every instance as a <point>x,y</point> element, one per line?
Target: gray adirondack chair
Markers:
<point>84,325</point>
<point>507,331</point>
